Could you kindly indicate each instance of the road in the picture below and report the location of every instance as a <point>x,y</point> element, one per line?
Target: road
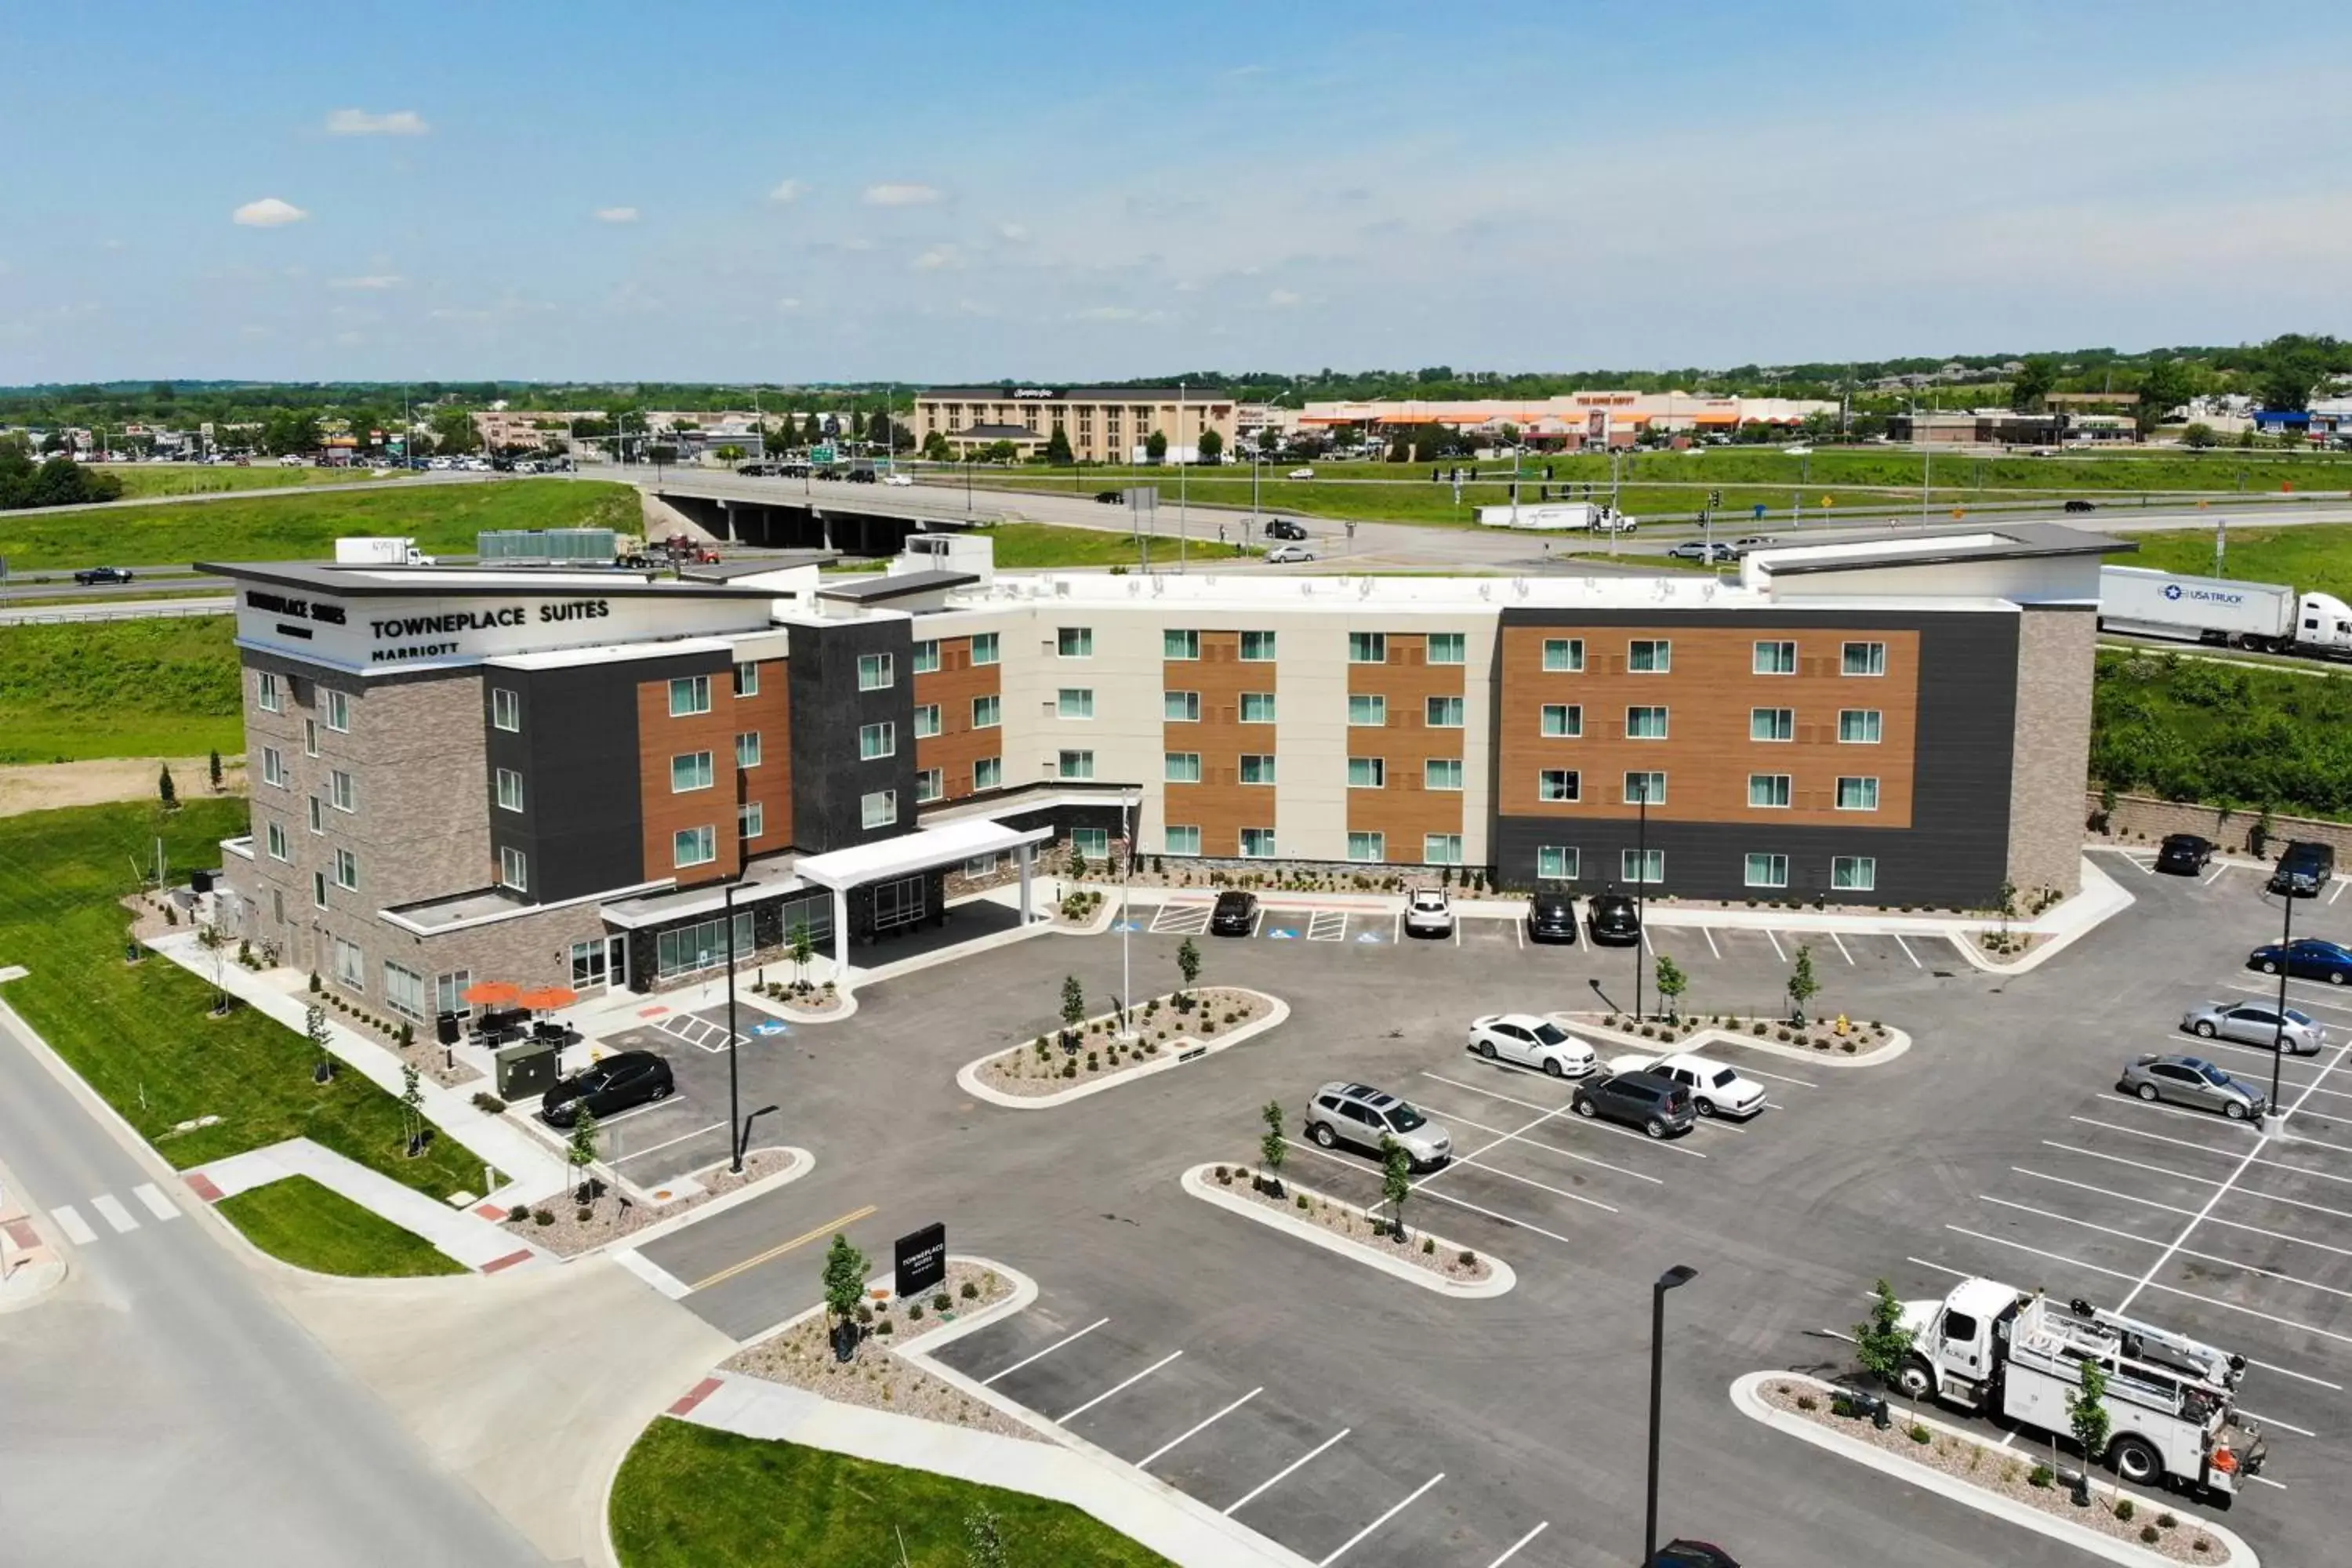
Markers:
<point>163,1407</point>
<point>114,610</point>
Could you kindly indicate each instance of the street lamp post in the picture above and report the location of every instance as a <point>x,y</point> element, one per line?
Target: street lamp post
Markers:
<point>734,1103</point>
<point>1681,1274</point>
<point>1640,882</point>
<point>2274,1119</point>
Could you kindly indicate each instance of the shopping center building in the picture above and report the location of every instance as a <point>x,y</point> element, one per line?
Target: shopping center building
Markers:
<point>1102,423</point>
<point>575,776</point>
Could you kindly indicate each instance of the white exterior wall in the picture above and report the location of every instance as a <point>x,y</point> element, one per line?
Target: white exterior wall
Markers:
<point>1310,733</point>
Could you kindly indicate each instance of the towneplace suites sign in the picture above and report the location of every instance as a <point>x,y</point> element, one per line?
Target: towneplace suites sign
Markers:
<point>398,638</point>
<point>922,1258</point>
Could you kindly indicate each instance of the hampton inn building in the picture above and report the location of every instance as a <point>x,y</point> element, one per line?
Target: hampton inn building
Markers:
<point>567,776</point>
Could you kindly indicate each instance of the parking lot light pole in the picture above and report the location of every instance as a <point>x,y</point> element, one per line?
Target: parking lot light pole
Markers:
<point>2274,1119</point>
<point>1681,1274</point>
<point>734,1104</point>
<point>1640,882</point>
<point>743,1136</point>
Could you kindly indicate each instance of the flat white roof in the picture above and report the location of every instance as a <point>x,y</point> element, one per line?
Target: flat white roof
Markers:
<point>1874,549</point>
<point>610,653</point>
<point>1476,595</point>
<point>922,851</point>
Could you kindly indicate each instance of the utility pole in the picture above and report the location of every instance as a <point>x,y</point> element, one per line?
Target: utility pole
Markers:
<point>1181,466</point>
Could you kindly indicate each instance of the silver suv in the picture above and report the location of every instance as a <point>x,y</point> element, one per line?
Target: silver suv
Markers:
<point>1358,1114</point>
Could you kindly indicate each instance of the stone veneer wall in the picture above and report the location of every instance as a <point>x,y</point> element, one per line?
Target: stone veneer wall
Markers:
<point>2138,820</point>
<point>2051,749</point>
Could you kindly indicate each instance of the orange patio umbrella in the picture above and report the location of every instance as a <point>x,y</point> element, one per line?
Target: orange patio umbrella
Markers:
<point>491,992</point>
<point>547,998</point>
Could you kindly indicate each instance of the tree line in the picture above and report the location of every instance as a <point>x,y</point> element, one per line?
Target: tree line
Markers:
<point>2222,734</point>
<point>26,481</point>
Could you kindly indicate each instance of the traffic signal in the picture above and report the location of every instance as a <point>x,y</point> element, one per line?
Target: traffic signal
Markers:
<point>1715,500</point>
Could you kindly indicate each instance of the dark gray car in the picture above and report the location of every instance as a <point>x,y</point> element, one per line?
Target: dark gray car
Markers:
<point>2192,1081</point>
<point>1649,1100</point>
<point>2257,1024</point>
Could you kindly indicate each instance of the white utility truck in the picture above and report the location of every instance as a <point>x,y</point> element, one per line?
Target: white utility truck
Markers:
<point>2269,617</point>
<point>2172,1400</point>
<point>372,551</point>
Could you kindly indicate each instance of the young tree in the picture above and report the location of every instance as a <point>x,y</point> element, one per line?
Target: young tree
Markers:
<point>166,790</point>
<point>2033,382</point>
<point>2199,436</point>
<point>1269,439</point>
<point>845,1286</point>
<point>731,453</point>
<point>1883,1345</point>
<point>411,1107</point>
<point>802,948</point>
<point>1155,446</point>
<point>1672,983</point>
<point>1396,1182</point>
<point>214,768</point>
<point>1211,445</point>
<point>2006,904</point>
<point>314,1027</point>
<point>1803,985</point>
<point>1271,1149</point>
<point>580,1154</point>
<point>1057,446</point>
<point>1073,1010</point>
<point>2086,1412</point>
<point>934,448</point>
<point>1188,964</point>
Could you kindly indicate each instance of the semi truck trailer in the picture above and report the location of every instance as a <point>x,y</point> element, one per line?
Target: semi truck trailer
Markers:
<point>374,551</point>
<point>2269,617</point>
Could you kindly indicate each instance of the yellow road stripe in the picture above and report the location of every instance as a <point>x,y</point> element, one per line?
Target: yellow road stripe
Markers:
<point>777,1251</point>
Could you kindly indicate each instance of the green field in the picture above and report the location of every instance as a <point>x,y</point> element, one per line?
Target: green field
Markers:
<point>163,687</point>
<point>140,480</point>
<point>314,1227</point>
<point>2192,729</point>
<point>440,517</point>
<point>1037,546</point>
<point>140,1034</point>
<point>2313,558</point>
<point>688,1495</point>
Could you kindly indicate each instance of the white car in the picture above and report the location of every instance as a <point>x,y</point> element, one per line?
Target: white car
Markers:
<point>1302,473</point>
<point>1530,1041</point>
<point>1428,911</point>
<point>1715,1088</point>
<point>1288,554</point>
<point>898,478</point>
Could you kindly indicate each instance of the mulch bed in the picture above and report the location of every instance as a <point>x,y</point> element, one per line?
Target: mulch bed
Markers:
<point>1818,1033</point>
<point>1026,1071</point>
<point>612,1216</point>
<point>1344,1220</point>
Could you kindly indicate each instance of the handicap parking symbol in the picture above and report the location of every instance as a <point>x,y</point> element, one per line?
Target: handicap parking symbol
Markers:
<point>1282,935</point>
<point>1368,936</point>
<point>1126,925</point>
<point>772,1029</point>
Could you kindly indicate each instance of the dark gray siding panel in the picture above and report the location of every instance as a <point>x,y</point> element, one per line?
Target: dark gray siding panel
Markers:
<point>829,780</point>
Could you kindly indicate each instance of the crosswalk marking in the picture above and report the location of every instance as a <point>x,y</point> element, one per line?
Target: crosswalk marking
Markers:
<point>77,1228</point>
<point>111,1209</point>
<point>157,1204</point>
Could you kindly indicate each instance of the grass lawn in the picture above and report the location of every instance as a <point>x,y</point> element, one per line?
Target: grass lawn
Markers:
<point>1038,545</point>
<point>140,480</point>
<point>690,1496</point>
<point>314,1227</point>
<point>140,1034</point>
<point>293,526</point>
<point>120,689</point>
<point>2315,558</point>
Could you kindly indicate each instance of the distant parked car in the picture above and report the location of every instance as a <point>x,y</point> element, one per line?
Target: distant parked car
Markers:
<point>1283,528</point>
<point>1428,911</point>
<point>1302,473</point>
<point>2305,958</point>
<point>1289,555</point>
<point>1551,914</point>
<point>1111,498</point>
<point>1715,1089</point>
<point>1655,1104</point>
<point>1693,1554</point>
<point>1612,920</point>
<point>2082,506</point>
<point>618,1083</point>
<point>1532,1042</point>
<point>1235,913</point>
<point>2191,1081</point>
<point>1698,550</point>
<point>1753,542</point>
<point>92,577</point>
<point>2304,867</point>
<point>2256,1024</point>
<point>2183,854</point>
<point>898,478</point>
<point>1360,1115</point>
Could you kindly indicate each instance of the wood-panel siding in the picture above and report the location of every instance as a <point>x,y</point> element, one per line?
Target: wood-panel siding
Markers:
<point>1707,756</point>
<point>660,738</point>
<point>958,745</point>
<point>768,711</point>
<point>1404,811</point>
<point>1220,806</point>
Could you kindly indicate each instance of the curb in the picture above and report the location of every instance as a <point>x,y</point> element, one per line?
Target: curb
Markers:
<point>1897,1042</point>
<point>1024,1290</point>
<point>2115,896</point>
<point>1928,1478</point>
<point>802,1163</point>
<point>968,1076</point>
<point>1502,1278</point>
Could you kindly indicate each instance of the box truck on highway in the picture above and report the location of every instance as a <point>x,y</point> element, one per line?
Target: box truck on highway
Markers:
<point>2270,616</point>
<point>1586,516</point>
<point>380,551</point>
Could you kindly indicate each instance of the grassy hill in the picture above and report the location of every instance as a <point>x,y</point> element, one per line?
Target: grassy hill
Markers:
<point>118,689</point>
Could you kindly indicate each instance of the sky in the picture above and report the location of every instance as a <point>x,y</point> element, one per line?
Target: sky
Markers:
<point>1045,192</point>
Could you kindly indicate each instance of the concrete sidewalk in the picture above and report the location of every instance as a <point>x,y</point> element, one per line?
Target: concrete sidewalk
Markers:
<point>463,1234</point>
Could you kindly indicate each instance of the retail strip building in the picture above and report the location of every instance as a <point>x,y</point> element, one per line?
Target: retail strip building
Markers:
<point>551,775</point>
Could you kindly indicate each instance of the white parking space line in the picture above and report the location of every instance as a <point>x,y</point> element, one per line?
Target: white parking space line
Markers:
<point>2270,993</point>
<point>1647,946</point>
<point>1552,1149</point>
<point>2336,891</point>
<point>1708,933</point>
<point>1594,1122</point>
<point>1120,1387</point>
<point>1145,1463</point>
<point>77,1228</point>
<point>2208,1149</point>
<point>1260,1489</point>
<point>1906,950</point>
<point>1049,1350</point>
<point>2274,1421</point>
<point>2244,1192</point>
<point>635,1110</point>
<point>1180,919</point>
<point>1521,928</point>
<point>2157,1107</point>
<point>1513,1551</point>
<point>157,1204</point>
<point>1777,954</point>
<point>657,1148</point>
<point>1472,1160</point>
<point>1257,920</point>
<point>1775,1077</point>
<point>1411,1499</point>
<point>111,1209</point>
<point>1512,1220</point>
<point>1841,947</point>
<point>1326,925</point>
<point>2189,1252</point>
<point>2217,870</point>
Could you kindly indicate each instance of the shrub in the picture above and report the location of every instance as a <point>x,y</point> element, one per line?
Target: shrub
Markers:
<point>1920,1434</point>
<point>2149,1532</point>
<point>1069,1069</point>
<point>1806,1401</point>
<point>2166,1521</point>
<point>915,1313</point>
<point>489,1104</point>
<point>1302,1200</point>
<point>941,1302</point>
<point>1781,1035</point>
<point>864,1313</point>
<point>2042,1476</point>
<point>970,1291</point>
<point>1468,1259</point>
<point>1224,1176</point>
<point>886,1326</point>
<point>1760,1030</point>
<point>2125,1508</point>
<point>1428,1247</point>
<point>543,1216</point>
<point>518,1216</point>
<point>1850,1047</point>
<point>2201,1544</point>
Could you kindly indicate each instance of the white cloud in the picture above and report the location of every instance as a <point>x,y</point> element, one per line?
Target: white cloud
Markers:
<point>902,195</point>
<point>360,122</point>
<point>373,280</point>
<point>1282,299</point>
<point>269,213</point>
<point>788,304</point>
<point>937,257</point>
<point>106,244</point>
<point>617,214</point>
<point>1116,313</point>
<point>787,191</point>
<point>1239,72</point>
<point>1013,232</point>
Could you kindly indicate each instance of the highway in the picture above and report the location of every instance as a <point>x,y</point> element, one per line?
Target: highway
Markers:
<point>114,610</point>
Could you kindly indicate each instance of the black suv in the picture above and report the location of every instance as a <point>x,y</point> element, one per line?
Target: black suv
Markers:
<point>1612,920</point>
<point>2183,854</point>
<point>608,1088</point>
<point>2303,868</point>
<point>2079,505</point>
<point>1551,914</point>
<point>1236,914</point>
<point>1655,1104</point>
<point>1283,528</point>
<point>92,577</point>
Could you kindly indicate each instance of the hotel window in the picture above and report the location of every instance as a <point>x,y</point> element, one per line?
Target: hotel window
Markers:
<point>1075,702</point>
<point>317,815</point>
<point>1181,841</point>
<point>1445,712</point>
<point>751,819</point>
<point>1558,863</point>
<point>1367,773</point>
<point>1441,773</point>
<point>1075,642</point>
<point>1562,720</point>
<point>1258,648</point>
<point>1649,656</point>
<point>747,680</point>
<point>514,871</point>
<point>1256,768</point>
<point>1182,767</point>
<point>1257,843</point>
<point>273,767</point>
<point>309,737</point>
<point>318,890</point>
<point>1180,707</point>
<point>748,748</point>
<point>1771,723</point>
<point>877,672</point>
<point>1180,645</point>
<point>926,720</point>
<point>1865,658</point>
<point>1564,655</point>
<point>689,695</point>
<point>1075,765</point>
<point>1858,726</point>
<point>339,712</point>
<point>1368,648</point>
<point>342,793</point>
<point>1768,791</point>
<point>1854,873</point>
<point>265,685</point>
<point>987,712</point>
<point>926,655</point>
<point>1649,786</point>
<point>930,783</point>
<point>1092,842</point>
<point>1775,659</point>
<point>1366,713</point>
<point>1367,849</point>
<point>1645,723</point>
<point>404,991</point>
<point>1767,870</point>
<point>981,866</point>
<point>1641,866</point>
<point>1257,707</point>
<point>694,847</point>
<point>510,786</point>
<point>1441,849</point>
<point>983,647</point>
<point>506,709</point>
<point>351,964</point>
<point>1448,647</point>
<point>1557,785</point>
<point>276,841</point>
<point>588,963</point>
<point>988,772</point>
<point>876,741</point>
<point>1857,794</point>
<point>691,771</point>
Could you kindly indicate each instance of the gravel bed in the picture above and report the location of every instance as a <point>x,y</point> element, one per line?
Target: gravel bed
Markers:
<point>877,1377</point>
<point>1023,1070</point>
<point>819,1002</point>
<point>2006,1472</point>
<point>1819,1034</point>
<point>1442,1259</point>
<point>613,1217</point>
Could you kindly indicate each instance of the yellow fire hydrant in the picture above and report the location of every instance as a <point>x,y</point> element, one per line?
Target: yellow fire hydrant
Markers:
<point>1840,1024</point>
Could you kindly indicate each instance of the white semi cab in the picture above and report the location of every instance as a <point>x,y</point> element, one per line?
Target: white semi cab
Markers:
<point>2263,616</point>
<point>380,551</point>
<point>2171,1400</point>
